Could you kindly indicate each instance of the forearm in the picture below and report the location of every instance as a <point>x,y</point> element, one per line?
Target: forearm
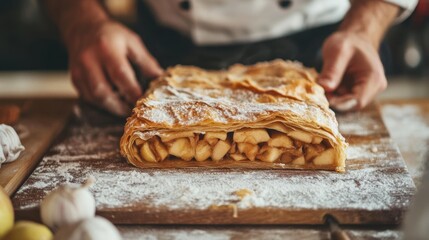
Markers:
<point>370,19</point>
<point>69,15</point>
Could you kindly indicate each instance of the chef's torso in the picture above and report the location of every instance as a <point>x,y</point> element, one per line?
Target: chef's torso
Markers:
<point>210,22</point>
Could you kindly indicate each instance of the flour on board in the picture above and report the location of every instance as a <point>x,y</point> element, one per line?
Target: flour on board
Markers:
<point>244,232</point>
<point>401,121</point>
<point>80,155</point>
<point>359,124</point>
<point>86,149</point>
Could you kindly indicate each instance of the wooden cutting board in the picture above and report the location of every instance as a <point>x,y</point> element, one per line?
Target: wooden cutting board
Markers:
<point>376,189</point>
<point>39,123</point>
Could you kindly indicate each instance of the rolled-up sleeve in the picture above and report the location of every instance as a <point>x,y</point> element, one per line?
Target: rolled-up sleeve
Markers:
<point>407,8</point>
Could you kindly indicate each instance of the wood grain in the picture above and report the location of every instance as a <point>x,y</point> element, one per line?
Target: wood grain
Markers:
<point>376,189</point>
<point>40,122</point>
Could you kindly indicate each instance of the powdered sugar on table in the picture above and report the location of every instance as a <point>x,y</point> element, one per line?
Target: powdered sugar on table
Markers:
<point>375,180</point>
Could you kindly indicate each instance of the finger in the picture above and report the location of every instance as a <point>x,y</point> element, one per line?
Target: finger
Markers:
<point>146,63</point>
<point>115,105</point>
<point>122,75</point>
<point>368,88</point>
<point>100,91</point>
<point>335,61</point>
<point>78,81</point>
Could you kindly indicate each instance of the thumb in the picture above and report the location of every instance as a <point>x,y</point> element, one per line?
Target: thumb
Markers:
<point>335,62</point>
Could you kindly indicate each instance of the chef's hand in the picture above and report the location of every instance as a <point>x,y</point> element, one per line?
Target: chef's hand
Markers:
<point>100,54</point>
<point>352,73</point>
<point>100,58</point>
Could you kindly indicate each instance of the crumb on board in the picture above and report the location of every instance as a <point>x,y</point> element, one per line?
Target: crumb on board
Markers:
<point>242,193</point>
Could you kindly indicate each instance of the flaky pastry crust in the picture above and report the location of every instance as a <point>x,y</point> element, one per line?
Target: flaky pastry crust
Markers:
<point>278,97</point>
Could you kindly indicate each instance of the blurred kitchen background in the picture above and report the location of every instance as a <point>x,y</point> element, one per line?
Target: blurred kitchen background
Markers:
<point>29,44</point>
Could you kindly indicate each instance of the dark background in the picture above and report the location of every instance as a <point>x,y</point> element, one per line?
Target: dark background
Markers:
<point>28,41</point>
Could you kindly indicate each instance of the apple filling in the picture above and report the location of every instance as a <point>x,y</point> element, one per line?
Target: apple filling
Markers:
<point>267,145</point>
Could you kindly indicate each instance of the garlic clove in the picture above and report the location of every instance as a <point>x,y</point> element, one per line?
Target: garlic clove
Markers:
<point>10,144</point>
<point>68,204</point>
<point>89,229</point>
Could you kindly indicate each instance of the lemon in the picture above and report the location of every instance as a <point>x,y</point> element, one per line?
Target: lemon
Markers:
<point>6,213</point>
<point>26,230</point>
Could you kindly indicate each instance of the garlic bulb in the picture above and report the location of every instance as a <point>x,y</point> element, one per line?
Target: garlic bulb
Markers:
<point>89,229</point>
<point>10,145</point>
<point>68,204</point>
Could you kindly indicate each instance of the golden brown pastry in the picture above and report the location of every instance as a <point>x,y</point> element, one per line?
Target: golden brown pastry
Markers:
<point>273,112</point>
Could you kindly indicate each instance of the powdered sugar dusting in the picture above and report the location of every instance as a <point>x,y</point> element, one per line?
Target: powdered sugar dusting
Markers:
<point>245,232</point>
<point>403,120</point>
<point>365,151</point>
<point>218,233</point>
<point>378,234</point>
<point>193,106</point>
<point>182,189</point>
<point>409,127</point>
<point>359,124</point>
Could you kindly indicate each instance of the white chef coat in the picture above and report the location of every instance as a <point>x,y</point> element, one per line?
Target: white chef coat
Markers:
<point>209,22</point>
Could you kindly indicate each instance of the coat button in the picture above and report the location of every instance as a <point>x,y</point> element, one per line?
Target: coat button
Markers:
<point>285,3</point>
<point>185,5</point>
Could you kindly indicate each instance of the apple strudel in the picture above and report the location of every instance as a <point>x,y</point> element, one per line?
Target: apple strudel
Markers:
<point>273,112</point>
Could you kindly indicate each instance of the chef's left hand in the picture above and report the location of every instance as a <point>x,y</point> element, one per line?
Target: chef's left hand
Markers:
<point>352,73</point>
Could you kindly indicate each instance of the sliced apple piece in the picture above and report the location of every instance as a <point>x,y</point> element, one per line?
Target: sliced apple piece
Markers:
<point>253,136</point>
<point>238,156</point>
<point>263,149</point>
<point>316,140</point>
<point>325,158</point>
<point>160,150</point>
<point>136,152</point>
<point>220,150</point>
<point>301,136</point>
<point>217,135</point>
<point>193,140</point>
<point>181,148</point>
<point>271,154</point>
<point>280,140</point>
<point>212,141</point>
<point>202,151</point>
<point>250,150</point>
<point>147,153</point>
<point>298,144</point>
<point>312,151</point>
<point>299,161</point>
<point>167,137</point>
<point>233,148</point>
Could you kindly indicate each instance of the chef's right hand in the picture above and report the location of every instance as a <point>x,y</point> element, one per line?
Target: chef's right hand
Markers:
<point>100,57</point>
